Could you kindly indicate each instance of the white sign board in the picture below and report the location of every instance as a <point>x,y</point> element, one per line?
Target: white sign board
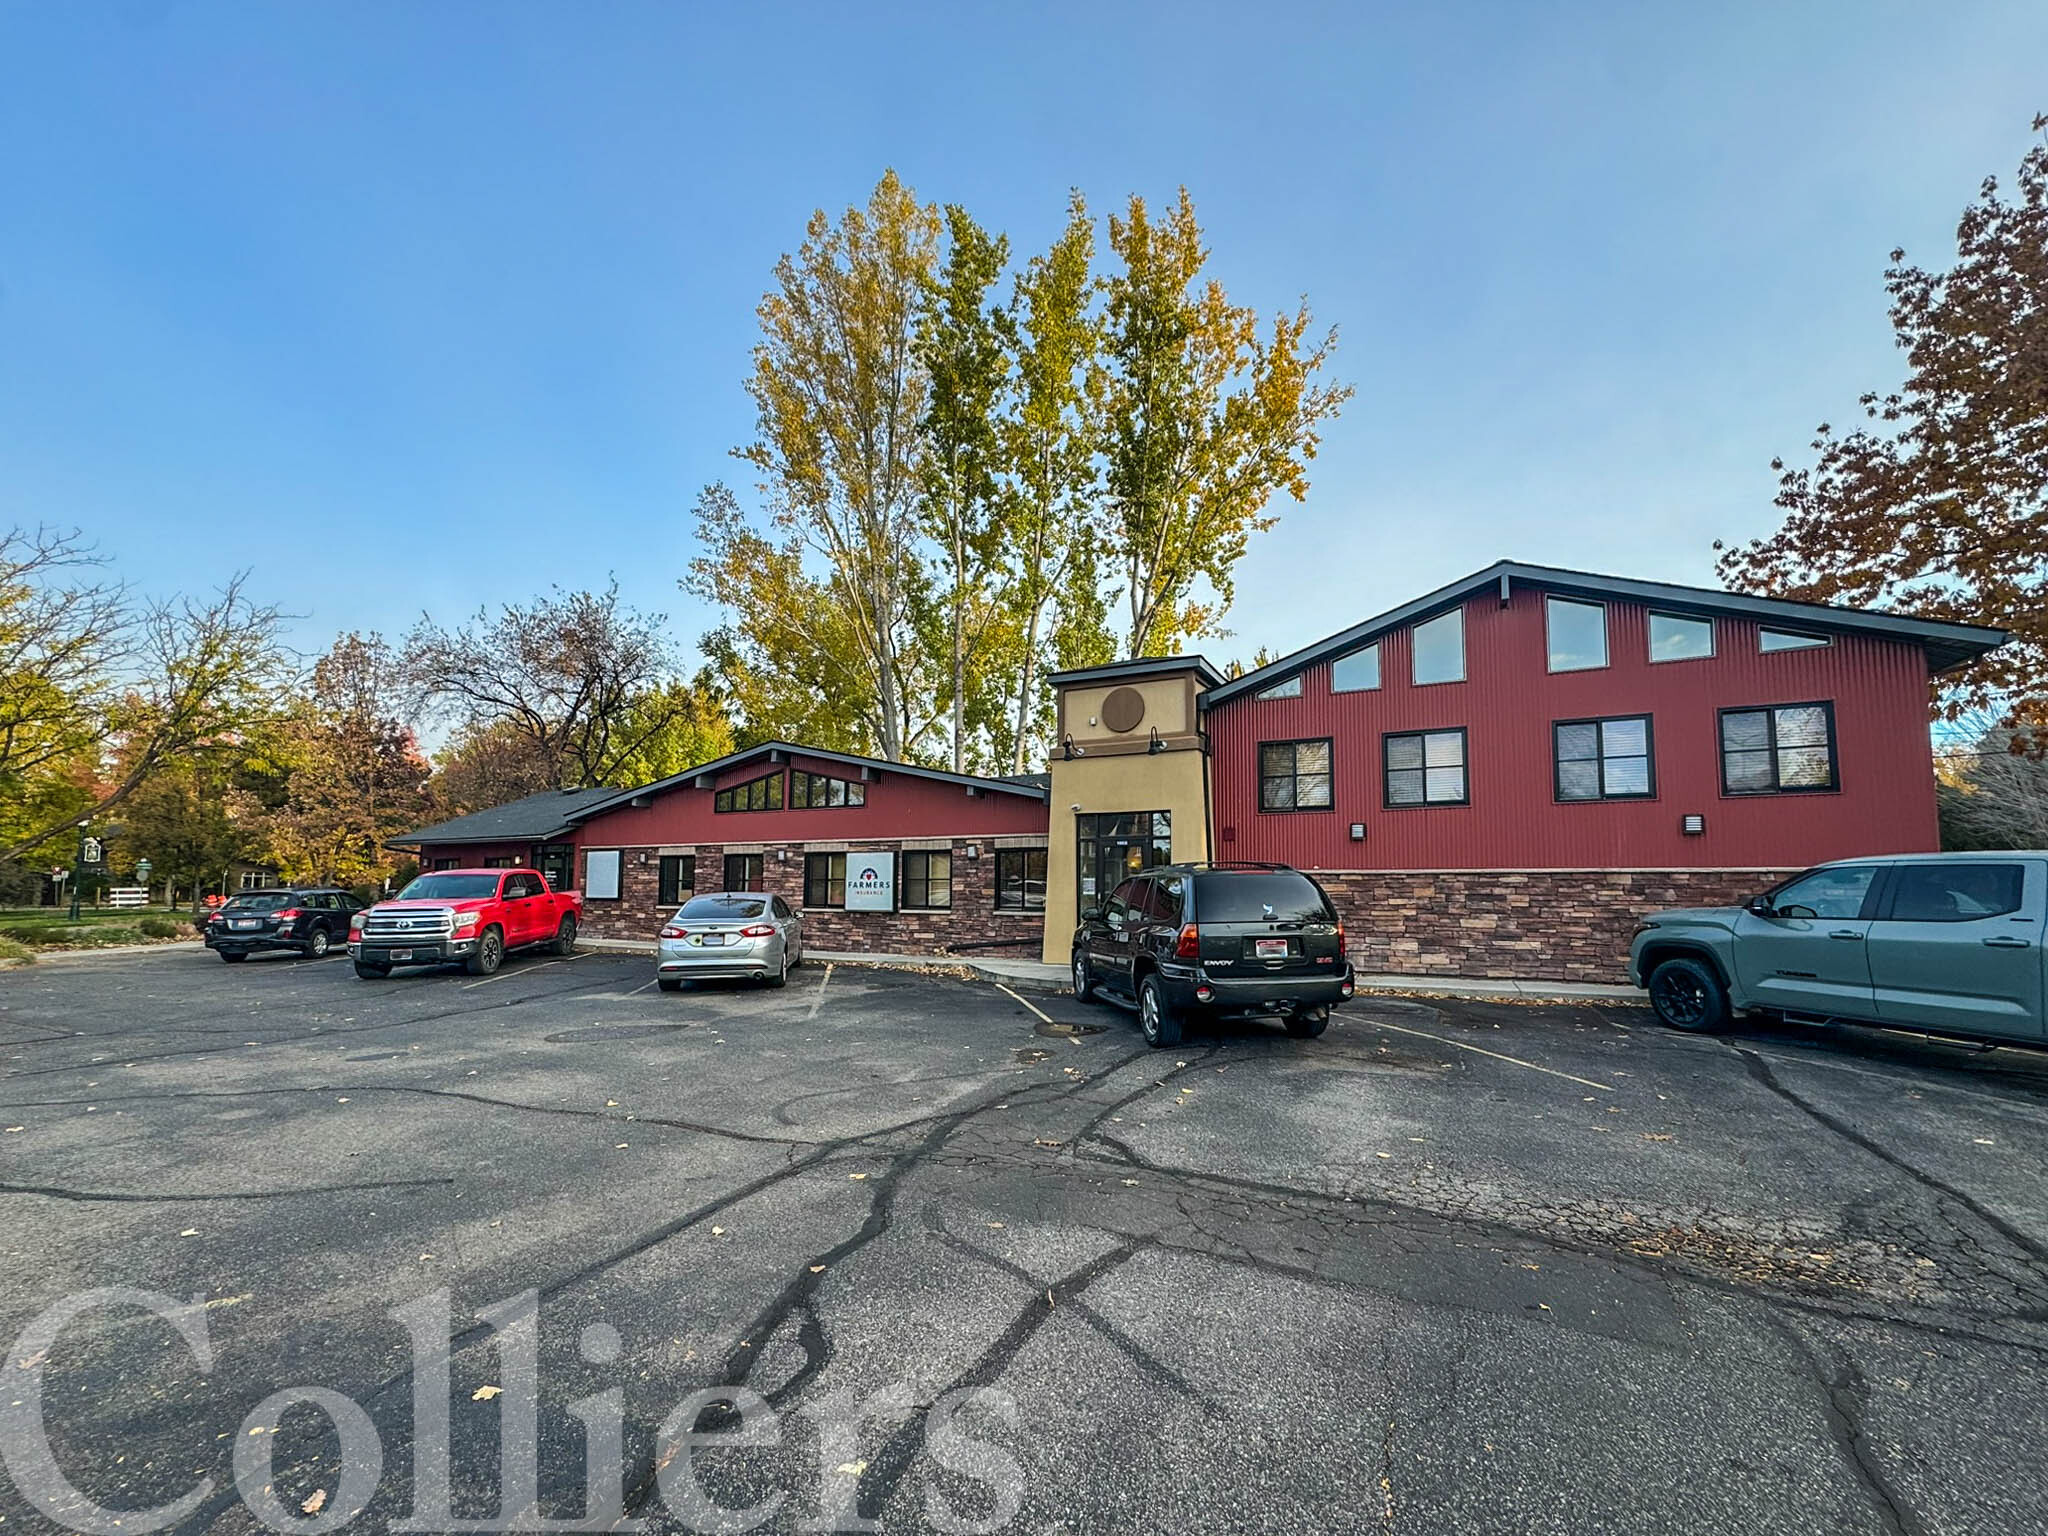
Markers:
<point>601,874</point>
<point>871,882</point>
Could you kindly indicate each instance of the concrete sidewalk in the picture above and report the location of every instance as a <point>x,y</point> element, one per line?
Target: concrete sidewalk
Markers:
<point>1037,976</point>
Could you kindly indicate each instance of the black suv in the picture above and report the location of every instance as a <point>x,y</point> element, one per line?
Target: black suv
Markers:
<point>310,919</point>
<point>1218,938</point>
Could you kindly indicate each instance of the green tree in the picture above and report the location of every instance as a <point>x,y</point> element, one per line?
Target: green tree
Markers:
<point>1206,422</point>
<point>677,725</point>
<point>356,775</point>
<point>1939,508</point>
<point>1051,437</point>
<point>840,393</point>
<point>963,347</point>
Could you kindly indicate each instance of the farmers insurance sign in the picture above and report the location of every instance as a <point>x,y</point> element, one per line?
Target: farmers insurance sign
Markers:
<point>871,882</point>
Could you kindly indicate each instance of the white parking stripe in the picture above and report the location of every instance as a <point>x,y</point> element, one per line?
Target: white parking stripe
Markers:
<point>524,970</point>
<point>819,996</point>
<point>1480,1050</point>
<point>1032,1006</point>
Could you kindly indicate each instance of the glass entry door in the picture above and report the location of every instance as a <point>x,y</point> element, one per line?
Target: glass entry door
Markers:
<point>1114,845</point>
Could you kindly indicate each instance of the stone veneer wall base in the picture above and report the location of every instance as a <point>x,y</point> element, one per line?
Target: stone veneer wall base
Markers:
<point>1523,925</point>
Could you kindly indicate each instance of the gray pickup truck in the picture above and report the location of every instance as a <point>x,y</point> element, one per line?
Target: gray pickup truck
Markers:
<point>1951,943</point>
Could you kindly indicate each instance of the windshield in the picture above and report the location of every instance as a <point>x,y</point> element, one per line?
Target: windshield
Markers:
<point>450,888</point>
<point>723,906</point>
<point>262,901</point>
<point>1245,899</point>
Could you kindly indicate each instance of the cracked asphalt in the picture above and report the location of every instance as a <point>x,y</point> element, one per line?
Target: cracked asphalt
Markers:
<point>1453,1267</point>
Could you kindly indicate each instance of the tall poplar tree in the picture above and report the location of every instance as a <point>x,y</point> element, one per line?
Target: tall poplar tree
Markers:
<point>1051,438</point>
<point>1206,420</point>
<point>840,394</point>
<point>963,344</point>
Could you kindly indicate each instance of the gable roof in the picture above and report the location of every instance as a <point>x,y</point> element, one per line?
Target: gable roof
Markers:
<point>1139,666</point>
<point>616,797</point>
<point>1948,645</point>
<point>533,818</point>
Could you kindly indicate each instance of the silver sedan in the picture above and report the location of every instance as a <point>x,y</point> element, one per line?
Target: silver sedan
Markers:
<point>746,934</point>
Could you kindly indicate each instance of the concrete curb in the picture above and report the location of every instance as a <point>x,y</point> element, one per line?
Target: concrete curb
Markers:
<point>87,952</point>
<point>1035,976</point>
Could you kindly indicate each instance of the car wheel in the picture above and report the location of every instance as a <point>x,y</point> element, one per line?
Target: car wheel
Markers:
<point>565,936</point>
<point>781,976</point>
<point>669,983</point>
<point>1084,978</point>
<point>1307,1023</point>
<point>1688,995</point>
<point>317,943</point>
<point>1156,1015</point>
<point>488,955</point>
<point>372,972</point>
<point>234,956</point>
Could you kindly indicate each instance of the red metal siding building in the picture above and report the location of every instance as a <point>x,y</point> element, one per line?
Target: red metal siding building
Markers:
<point>1581,783</point>
<point>1508,705</point>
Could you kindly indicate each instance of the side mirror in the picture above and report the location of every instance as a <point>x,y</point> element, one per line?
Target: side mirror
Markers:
<point>1091,914</point>
<point>1760,906</point>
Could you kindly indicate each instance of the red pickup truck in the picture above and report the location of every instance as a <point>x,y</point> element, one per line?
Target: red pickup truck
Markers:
<point>473,915</point>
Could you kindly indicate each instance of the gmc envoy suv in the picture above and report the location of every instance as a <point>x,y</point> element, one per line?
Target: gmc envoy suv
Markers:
<point>1215,939</point>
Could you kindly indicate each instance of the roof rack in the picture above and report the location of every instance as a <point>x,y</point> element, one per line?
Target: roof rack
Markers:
<point>1229,864</point>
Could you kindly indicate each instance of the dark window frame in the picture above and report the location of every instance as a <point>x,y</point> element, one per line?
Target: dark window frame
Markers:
<point>669,878</point>
<point>905,880</point>
<point>1606,633</point>
<point>1022,856</point>
<point>1770,714</point>
<point>818,876</point>
<point>1326,742</point>
<point>1387,801</point>
<point>1600,759</point>
<point>726,801</point>
<point>805,787</point>
<point>725,873</point>
<point>1650,618</point>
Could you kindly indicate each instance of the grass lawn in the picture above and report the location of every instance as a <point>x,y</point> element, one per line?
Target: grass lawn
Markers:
<point>33,928</point>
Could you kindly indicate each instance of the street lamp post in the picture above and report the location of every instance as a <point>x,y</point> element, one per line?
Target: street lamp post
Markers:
<point>77,872</point>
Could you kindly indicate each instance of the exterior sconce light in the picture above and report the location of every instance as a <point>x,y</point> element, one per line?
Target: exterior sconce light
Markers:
<point>643,858</point>
<point>1156,745</point>
<point>1070,751</point>
<point>971,851</point>
<point>1692,824</point>
<point>1358,831</point>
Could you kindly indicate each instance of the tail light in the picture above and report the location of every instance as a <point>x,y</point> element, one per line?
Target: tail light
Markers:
<point>758,931</point>
<point>288,915</point>
<point>1340,940</point>
<point>673,932</point>
<point>1189,945</point>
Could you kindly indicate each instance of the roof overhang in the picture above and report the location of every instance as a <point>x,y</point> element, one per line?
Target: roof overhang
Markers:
<point>704,776</point>
<point>1947,646</point>
<point>1140,666</point>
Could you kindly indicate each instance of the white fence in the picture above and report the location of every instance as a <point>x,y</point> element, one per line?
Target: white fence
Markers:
<point>128,896</point>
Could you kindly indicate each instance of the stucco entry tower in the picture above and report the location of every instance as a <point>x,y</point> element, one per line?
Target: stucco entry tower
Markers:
<point>1130,780</point>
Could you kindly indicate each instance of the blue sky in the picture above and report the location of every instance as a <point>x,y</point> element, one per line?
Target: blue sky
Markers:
<point>424,306</point>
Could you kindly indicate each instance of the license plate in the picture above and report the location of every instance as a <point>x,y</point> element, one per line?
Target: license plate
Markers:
<point>707,939</point>
<point>247,922</point>
<point>401,954</point>
<point>1270,949</point>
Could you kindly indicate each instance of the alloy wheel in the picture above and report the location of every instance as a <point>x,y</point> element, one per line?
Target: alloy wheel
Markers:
<point>1148,1013</point>
<point>1681,998</point>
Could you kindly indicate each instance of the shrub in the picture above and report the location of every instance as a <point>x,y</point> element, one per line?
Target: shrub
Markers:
<point>161,928</point>
<point>14,949</point>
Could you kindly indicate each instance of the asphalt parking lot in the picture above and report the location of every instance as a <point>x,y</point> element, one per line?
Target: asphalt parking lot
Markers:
<point>1452,1267</point>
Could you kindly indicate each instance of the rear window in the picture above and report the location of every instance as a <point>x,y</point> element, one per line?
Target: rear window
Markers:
<point>262,901</point>
<point>723,906</point>
<point>1245,898</point>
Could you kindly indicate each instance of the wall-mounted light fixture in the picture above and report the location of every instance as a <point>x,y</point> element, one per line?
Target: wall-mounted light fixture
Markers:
<point>1070,751</point>
<point>1692,824</point>
<point>1358,831</point>
<point>1156,745</point>
<point>643,858</point>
